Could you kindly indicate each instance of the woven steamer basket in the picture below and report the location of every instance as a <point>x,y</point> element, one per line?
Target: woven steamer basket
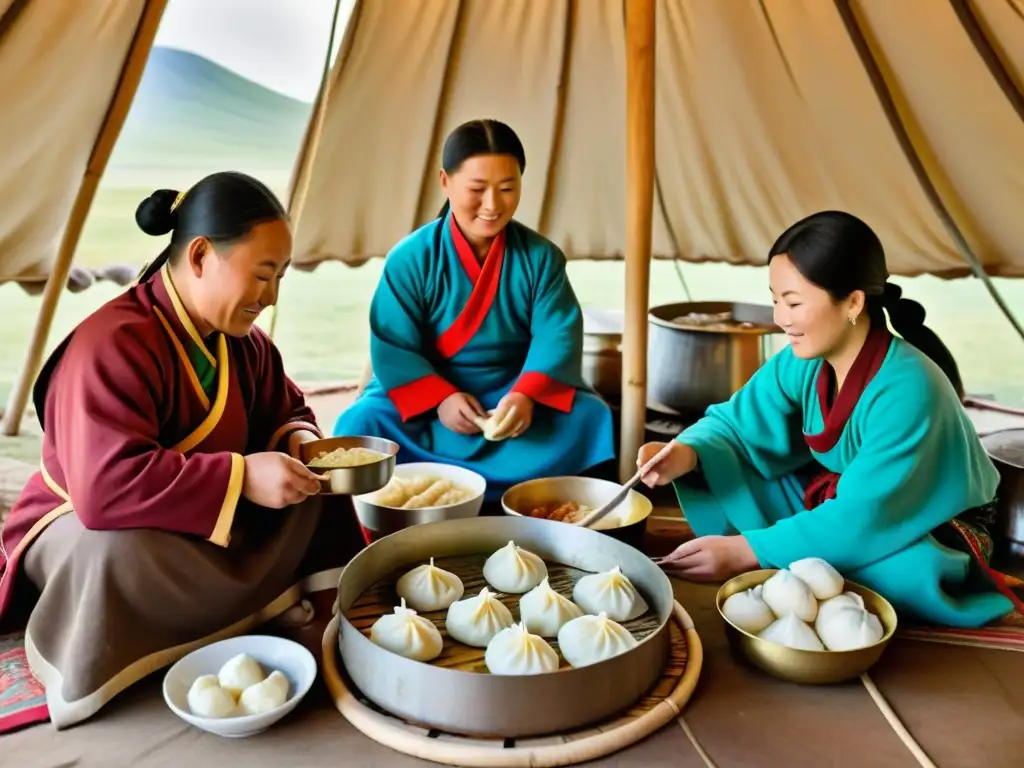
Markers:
<point>456,712</point>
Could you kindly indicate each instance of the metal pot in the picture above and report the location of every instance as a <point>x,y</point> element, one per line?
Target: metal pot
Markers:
<point>1006,449</point>
<point>690,367</point>
<point>602,351</point>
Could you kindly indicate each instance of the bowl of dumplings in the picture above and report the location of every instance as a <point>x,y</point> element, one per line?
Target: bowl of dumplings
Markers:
<point>240,686</point>
<point>421,492</point>
<point>806,623</point>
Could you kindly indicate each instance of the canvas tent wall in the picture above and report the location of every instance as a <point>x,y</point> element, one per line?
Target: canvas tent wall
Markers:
<point>906,113</point>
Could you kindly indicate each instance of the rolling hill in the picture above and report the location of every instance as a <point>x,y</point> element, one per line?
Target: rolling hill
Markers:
<point>191,116</point>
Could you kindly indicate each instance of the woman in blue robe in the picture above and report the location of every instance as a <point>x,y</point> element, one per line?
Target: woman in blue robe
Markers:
<point>849,445</point>
<point>474,318</point>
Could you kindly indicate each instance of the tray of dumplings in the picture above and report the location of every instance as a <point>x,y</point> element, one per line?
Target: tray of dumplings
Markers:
<point>515,622</point>
<point>509,613</point>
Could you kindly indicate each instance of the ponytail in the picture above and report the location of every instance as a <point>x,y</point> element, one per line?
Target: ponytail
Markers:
<point>444,209</point>
<point>907,318</point>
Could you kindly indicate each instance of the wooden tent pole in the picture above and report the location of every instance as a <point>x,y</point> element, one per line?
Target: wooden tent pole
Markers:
<point>640,20</point>
<point>131,74</point>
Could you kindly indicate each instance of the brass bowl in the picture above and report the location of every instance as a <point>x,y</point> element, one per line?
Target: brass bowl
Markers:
<point>364,478</point>
<point>799,666</point>
<point>627,522</point>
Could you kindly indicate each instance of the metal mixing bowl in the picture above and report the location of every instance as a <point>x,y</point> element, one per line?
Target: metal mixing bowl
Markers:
<point>510,706</point>
<point>352,480</point>
<point>627,522</point>
<point>807,667</point>
<point>386,520</point>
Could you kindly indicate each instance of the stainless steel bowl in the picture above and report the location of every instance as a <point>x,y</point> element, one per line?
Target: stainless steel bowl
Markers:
<point>365,478</point>
<point>473,703</point>
<point>387,520</point>
<point>627,522</point>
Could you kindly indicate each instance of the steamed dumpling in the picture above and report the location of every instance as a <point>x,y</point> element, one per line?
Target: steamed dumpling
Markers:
<point>513,570</point>
<point>850,628</point>
<point>477,620</point>
<point>748,610</point>
<point>590,639</point>
<point>610,592</point>
<point>429,588</point>
<point>793,633</point>
<point>514,651</point>
<point>788,594</point>
<point>824,580</point>
<point>265,696</point>
<point>238,673</point>
<point>544,611</point>
<point>206,698</point>
<point>409,635</point>
<point>829,607</point>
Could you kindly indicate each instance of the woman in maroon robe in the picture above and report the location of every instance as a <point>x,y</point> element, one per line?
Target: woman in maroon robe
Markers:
<point>167,511</point>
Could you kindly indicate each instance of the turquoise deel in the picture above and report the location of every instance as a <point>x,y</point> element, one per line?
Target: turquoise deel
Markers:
<point>535,324</point>
<point>909,459</point>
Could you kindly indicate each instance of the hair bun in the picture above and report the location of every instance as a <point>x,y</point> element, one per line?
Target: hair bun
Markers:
<point>154,215</point>
<point>891,294</point>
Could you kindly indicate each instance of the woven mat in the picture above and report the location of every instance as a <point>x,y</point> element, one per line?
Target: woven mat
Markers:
<point>22,699</point>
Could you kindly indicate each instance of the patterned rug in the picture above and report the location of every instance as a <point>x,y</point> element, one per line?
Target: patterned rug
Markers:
<point>22,700</point>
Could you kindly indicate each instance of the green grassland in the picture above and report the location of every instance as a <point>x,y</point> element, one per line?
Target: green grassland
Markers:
<point>192,117</point>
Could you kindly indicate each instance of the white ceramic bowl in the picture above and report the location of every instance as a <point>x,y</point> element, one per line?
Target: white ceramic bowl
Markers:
<point>286,656</point>
<point>385,520</point>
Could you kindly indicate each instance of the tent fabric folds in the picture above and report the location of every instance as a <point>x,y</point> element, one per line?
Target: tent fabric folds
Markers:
<point>767,110</point>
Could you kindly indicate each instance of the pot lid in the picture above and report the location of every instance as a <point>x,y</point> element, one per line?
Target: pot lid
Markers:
<point>602,322</point>
<point>1006,446</point>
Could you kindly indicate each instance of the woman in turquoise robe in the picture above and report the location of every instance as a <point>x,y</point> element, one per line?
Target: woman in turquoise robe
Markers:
<point>474,314</point>
<point>849,445</point>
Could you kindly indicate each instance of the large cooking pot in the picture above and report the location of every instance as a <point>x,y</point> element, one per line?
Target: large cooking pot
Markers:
<point>602,351</point>
<point>1006,449</point>
<point>692,364</point>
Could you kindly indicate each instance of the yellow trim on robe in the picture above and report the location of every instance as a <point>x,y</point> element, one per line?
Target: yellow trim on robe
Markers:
<point>288,428</point>
<point>221,535</point>
<point>185,361</point>
<point>179,310</point>
<point>217,410</point>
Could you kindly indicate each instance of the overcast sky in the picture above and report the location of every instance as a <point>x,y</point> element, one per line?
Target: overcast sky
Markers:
<point>277,43</point>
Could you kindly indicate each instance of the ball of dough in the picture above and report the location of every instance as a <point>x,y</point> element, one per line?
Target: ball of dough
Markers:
<point>850,628</point>
<point>514,570</point>
<point>793,633</point>
<point>206,698</point>
<point>266,695</point>
<point>829,607</point>
<point>611,593</point>
<point>544,611</point>
<point>409,635</point>
<point>514,651</point>
<point>788,594</point>
<point>477,620</point>
<point>824,580</point>
<point>429,588</point>
<point>748,610</point>
<point>239,673</point>
<point>592,639</point>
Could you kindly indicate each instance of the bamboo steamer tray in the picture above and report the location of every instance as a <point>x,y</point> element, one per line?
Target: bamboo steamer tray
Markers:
<point>455,693</point>
<point>655,709</point>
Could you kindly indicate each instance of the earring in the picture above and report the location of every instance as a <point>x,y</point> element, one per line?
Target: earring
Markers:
<point>852,319</point>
